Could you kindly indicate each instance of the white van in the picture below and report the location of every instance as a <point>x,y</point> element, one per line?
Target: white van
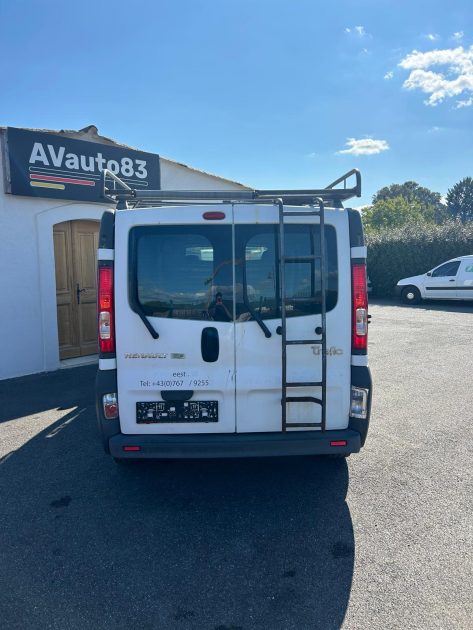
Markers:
<point>232,324</point>
<point>452,280</point>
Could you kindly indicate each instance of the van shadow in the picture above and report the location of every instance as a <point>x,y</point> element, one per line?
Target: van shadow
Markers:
<point>262,543</point>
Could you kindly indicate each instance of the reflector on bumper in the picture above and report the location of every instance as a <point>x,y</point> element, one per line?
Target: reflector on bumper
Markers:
<point>359,402</point>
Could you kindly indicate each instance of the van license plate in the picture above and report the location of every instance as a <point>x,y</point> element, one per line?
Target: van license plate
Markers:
<point>176,411</point>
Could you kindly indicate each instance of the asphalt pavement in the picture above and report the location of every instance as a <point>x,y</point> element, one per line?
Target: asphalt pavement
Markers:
<point>381,540</point>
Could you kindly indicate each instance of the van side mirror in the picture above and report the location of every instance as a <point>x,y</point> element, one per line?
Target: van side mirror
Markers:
<point>429,273</point>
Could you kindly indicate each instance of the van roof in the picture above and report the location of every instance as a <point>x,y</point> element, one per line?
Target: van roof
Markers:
<point>116,190</point>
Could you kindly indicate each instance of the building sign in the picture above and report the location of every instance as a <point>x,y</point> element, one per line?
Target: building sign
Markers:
<point>48,165</point>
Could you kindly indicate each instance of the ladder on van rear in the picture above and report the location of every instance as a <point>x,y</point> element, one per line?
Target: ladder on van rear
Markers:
<point>320,331</point>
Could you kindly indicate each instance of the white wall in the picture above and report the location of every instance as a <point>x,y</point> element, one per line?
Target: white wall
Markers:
<point>28,319</point>
<point>176,176</point>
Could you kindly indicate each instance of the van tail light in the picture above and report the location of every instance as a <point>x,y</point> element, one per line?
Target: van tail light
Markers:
<point>360,307</point>
<point>106,309</point>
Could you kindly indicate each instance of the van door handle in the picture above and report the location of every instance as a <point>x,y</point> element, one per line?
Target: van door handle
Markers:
<point>209,344</point>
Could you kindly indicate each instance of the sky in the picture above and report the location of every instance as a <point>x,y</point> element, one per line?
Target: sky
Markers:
<point>268,93</point>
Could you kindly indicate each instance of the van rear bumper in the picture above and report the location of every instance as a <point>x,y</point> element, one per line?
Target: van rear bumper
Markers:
<point>201,446</point>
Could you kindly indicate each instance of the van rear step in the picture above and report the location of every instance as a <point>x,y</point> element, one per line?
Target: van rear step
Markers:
<point>202,446</point>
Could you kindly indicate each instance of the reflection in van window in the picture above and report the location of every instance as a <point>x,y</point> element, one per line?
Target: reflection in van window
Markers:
<point>188,271</point>
<point>177,271</point>
<point>259,282</point>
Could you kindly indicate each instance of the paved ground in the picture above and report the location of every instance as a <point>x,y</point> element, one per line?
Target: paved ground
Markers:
<point>381,541</point>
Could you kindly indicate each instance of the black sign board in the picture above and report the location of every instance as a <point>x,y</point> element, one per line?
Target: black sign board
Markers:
<point>49,165</point>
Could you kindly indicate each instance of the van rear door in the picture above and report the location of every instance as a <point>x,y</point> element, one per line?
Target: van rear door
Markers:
<point>168,276</point>
<point>258,358</point>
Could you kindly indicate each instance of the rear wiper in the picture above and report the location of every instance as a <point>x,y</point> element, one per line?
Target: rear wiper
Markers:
<point>257,318</point>
<point>140,312</point>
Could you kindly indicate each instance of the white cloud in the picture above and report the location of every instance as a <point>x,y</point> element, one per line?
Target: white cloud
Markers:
<point>389,75</point>
<point>432,36</point>
<point>457,78</point>
<point>466,103</point>
<point>311,155</point>
<point>358,30</point>
<point>458,36</point>
<point>364,146</point>
<point>434,129</point>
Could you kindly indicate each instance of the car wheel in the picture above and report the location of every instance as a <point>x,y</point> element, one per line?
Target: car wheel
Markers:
<point>410,295</point>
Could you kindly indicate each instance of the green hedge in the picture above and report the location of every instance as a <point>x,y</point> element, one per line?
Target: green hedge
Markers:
<point>413,249</point>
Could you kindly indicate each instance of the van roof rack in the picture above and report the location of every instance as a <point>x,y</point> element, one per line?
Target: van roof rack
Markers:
<point>116,190</point>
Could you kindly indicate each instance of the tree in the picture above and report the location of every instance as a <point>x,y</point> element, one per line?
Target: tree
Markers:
<point>460,200</point>
<point>393,212</point>
<point>430,202</point>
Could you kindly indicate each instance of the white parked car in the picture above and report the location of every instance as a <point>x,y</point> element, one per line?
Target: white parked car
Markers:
<point>452,280</point>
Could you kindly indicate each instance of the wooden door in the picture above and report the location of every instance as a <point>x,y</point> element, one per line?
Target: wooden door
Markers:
<point>75,251</point>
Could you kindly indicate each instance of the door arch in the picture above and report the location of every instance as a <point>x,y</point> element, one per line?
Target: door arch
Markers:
<point>75,258</point>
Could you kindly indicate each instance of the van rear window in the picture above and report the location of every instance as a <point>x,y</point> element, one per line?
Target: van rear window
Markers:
<point>176,271</point>
<point>258,246</point>
<point>197,272</point>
